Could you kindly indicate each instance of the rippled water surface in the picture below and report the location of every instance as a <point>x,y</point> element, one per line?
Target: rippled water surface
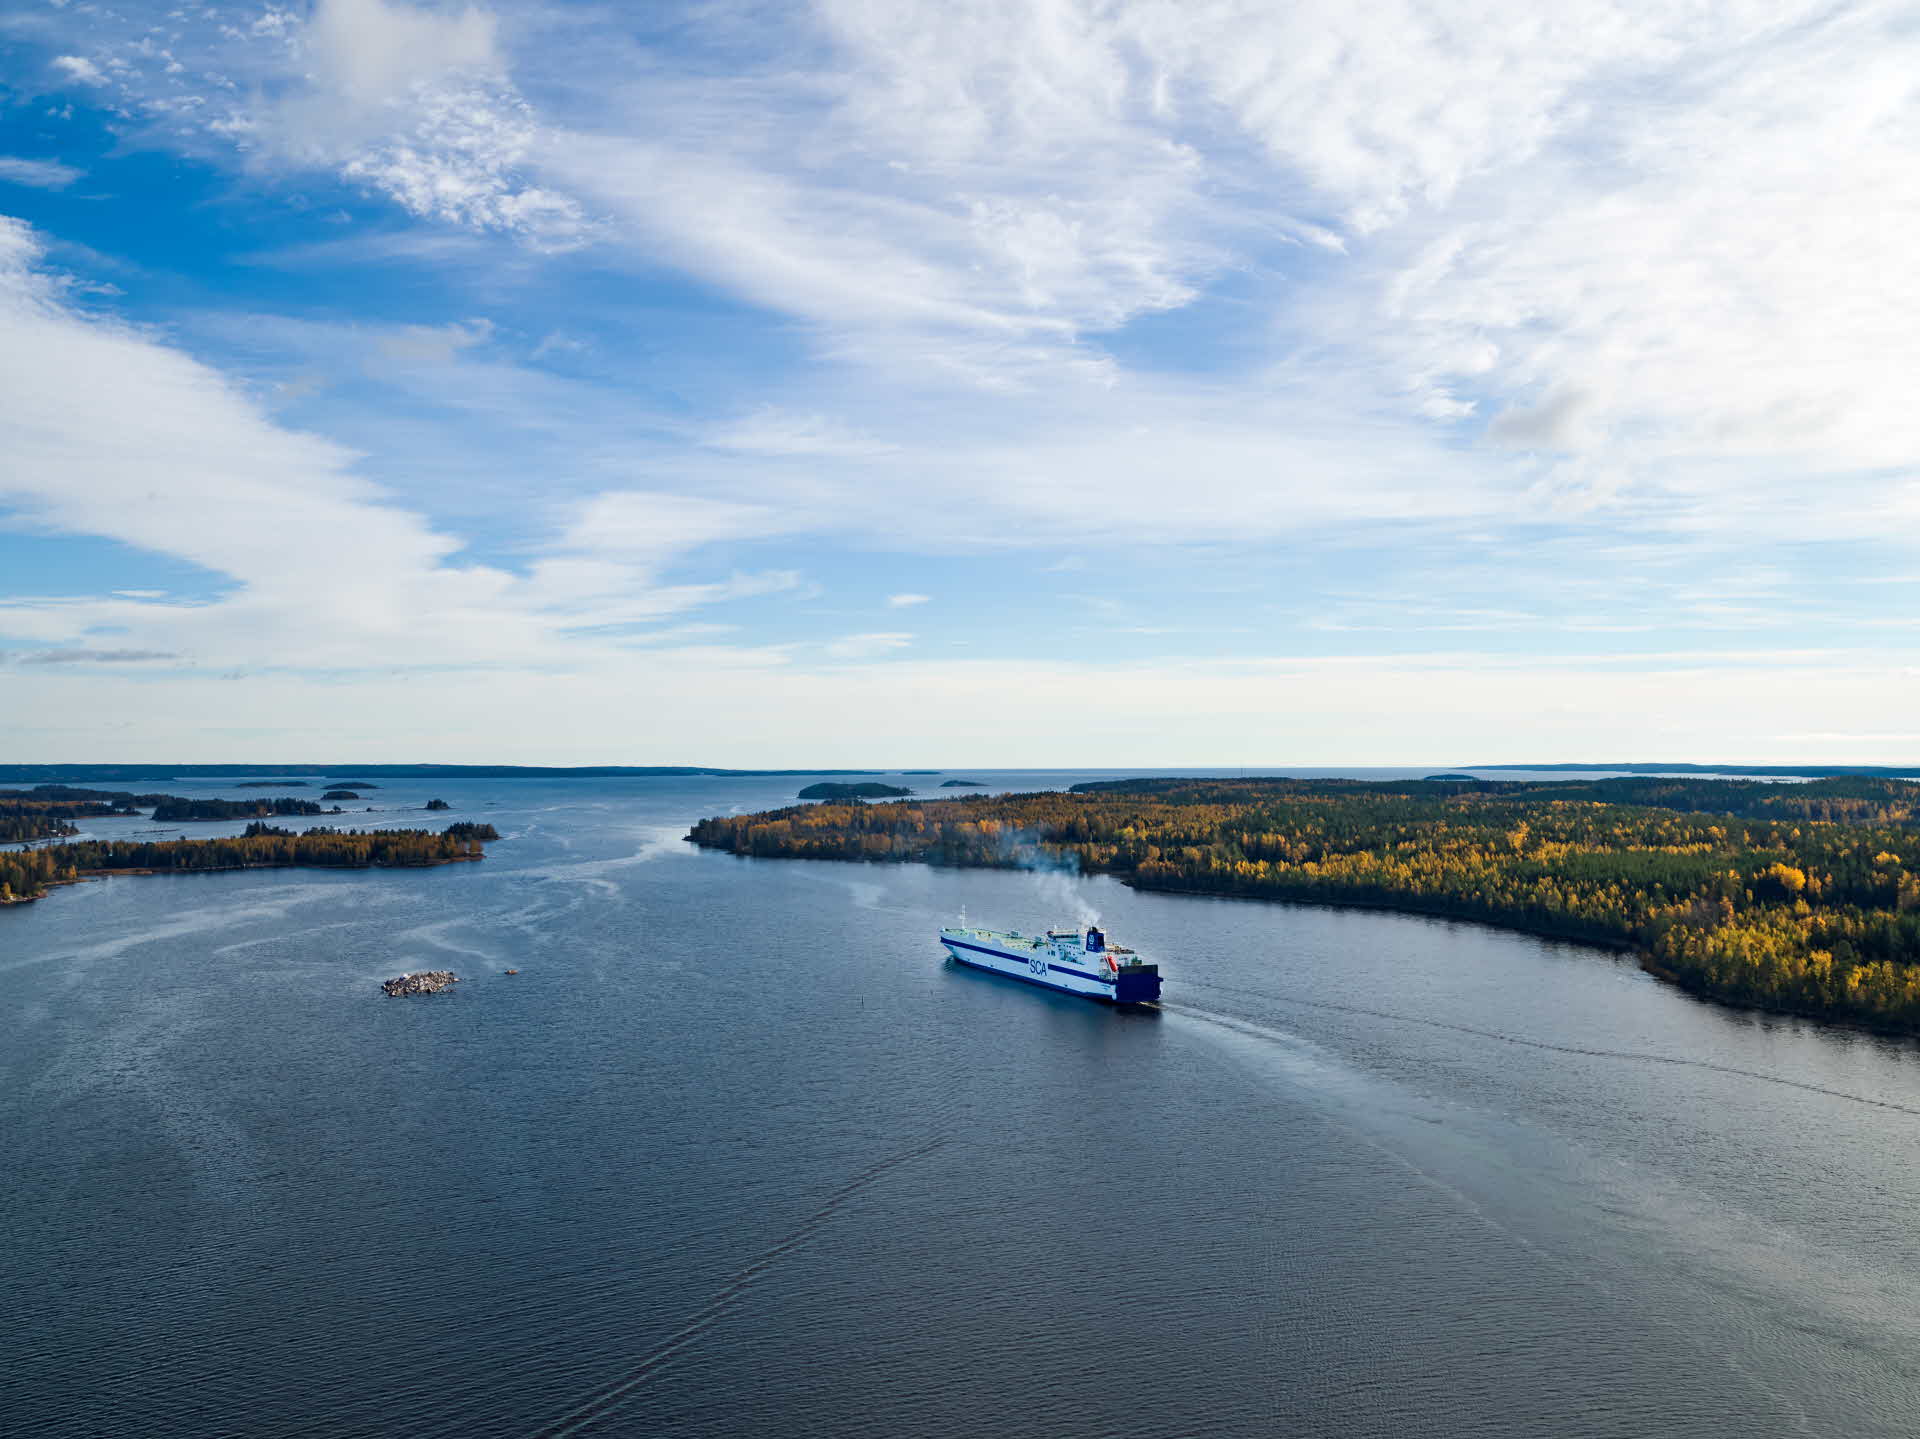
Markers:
<point>735,1153</point>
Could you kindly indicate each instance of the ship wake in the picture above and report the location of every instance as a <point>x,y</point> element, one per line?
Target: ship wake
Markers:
<point>604,1401</point>
<point>1634,1055</point>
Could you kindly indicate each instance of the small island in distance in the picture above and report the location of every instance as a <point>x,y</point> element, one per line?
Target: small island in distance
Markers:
<point>872,789</point>
<point>964,784</point>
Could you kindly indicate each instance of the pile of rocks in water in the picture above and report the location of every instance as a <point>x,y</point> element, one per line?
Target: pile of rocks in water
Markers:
<point>431,981</point>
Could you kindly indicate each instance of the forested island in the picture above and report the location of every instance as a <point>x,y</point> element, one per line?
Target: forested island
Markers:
<point>48,811</point>
<point>872,789</point>
<point>172,809</point>
<point>1803,897</point>
<point>29,874</point>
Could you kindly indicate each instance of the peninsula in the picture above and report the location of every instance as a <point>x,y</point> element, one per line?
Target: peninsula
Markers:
<point>29,873</point>
<point>1802,898</point>
<point>48,811</point>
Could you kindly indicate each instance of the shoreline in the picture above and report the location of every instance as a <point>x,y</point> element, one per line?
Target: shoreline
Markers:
<point>86,875</point>
<point>1644,958</point>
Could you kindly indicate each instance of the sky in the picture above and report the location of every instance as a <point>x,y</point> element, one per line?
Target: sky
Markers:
<point>1007,382</point>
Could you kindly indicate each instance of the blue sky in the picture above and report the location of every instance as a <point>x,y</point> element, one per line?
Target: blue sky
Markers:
<point>1026,383</point>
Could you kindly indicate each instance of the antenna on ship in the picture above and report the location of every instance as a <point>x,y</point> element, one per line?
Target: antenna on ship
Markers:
<point>963,916</point>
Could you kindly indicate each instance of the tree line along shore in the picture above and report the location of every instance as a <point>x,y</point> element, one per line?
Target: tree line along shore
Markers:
<point>29,874</point>
<point>48,811</point>
<point>1796,897</point>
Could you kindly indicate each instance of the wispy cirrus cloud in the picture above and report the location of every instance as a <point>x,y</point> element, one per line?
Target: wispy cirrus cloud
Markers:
<point>867,646</point>
<point>192,468</point>
<point>39,174</point>
<point>93,657</point>
<point>1484,221</point>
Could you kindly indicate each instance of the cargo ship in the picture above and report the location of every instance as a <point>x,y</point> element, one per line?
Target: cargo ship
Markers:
<point>1067,960</point>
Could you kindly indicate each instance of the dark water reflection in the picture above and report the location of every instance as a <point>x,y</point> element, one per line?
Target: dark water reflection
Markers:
<point>735,1154</point>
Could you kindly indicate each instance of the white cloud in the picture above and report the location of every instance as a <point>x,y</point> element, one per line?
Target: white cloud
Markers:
<point>411,102</point>
<point>1628,257</point>
<point>902,601</point>
<point>1735,289</point>
<point>79,68</point>
<point>40,174</point>
<point>432,344</point>
<point>1632,233</point>
<point>645,527</point>
<point>371,53</point>
<point>326,570</point>
<point>416,104</point>
<point>866,646</point>
<point>1649,229</point>
<point>772,431</point>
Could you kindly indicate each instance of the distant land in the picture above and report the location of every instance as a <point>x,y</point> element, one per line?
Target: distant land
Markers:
<point>58,773</point>
<point>1811,771</point>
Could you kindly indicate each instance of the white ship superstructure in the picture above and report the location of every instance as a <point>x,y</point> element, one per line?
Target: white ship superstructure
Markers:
<point>1071,961</point>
